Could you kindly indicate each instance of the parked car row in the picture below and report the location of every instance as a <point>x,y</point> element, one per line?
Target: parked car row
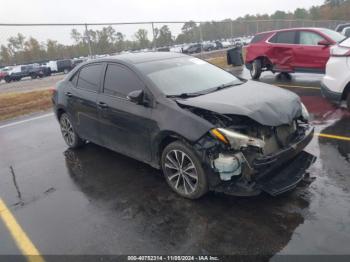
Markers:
<point>21,71</point>
<point>206,46</point>
<point>16,73</point>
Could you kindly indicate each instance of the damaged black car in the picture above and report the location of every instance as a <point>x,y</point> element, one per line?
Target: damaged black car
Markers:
<point>203,127</point>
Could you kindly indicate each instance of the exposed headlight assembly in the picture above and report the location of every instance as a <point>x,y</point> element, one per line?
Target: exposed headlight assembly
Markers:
<point>235,139</point>
<point>304,113</point>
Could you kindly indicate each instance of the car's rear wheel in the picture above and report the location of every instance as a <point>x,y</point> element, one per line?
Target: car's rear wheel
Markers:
<point>69,134</point>
<point>255,70</point>
<point>348,100</point>
<point>183,170</point>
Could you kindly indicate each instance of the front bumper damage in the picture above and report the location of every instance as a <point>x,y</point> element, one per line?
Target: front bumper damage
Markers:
<point>274,173</point>
<point>275,182</point>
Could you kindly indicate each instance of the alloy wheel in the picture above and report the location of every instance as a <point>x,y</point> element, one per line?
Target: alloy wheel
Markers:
<point>67,130</point>
<point>181,172</point>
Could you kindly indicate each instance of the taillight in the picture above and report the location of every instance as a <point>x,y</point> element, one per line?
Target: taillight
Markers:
<point>340,51</point>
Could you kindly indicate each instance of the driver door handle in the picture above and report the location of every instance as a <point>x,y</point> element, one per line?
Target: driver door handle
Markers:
<point>69,94</point>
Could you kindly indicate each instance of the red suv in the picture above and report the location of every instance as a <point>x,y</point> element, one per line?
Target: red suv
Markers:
<point>290,50</point>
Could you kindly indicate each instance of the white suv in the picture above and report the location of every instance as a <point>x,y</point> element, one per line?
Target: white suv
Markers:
<point>335,84</point>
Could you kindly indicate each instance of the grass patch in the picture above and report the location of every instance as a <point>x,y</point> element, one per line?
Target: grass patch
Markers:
<point>219,61</point>
<point>17,104</point>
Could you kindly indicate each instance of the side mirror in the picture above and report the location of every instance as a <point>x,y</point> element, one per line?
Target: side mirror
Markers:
<point>324,43</point>
<point>136,97</point>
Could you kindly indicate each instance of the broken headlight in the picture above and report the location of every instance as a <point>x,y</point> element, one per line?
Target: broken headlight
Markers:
<point>304,113</point>
<point>235,139</point>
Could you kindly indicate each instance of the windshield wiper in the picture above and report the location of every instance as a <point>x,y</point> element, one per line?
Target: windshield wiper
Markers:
<point>184,95</point>
<point>223,86</point>
<point>210,90</point>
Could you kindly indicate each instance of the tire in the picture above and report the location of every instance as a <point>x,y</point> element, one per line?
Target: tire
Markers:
<point>69,134</point>
<point>183,170</point>
<point>255,70</point>
<point>284,76</point>
<point>33,76</point>
<point>348,101</point>
<point>7,79</point>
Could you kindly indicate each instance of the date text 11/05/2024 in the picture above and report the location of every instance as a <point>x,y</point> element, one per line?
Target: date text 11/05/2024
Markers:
<point>173,258</point>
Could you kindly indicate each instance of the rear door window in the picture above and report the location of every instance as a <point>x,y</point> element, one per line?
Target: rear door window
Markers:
<point>258,38</point>
<point>120,81</point>
<point>309,38</point>
<point>287,37</point>
<point>89,77</point>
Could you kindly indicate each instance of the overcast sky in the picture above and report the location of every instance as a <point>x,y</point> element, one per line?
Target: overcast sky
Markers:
<point>82,11</point>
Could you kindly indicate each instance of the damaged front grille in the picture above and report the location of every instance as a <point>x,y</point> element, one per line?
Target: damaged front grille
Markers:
<point>275,138</point>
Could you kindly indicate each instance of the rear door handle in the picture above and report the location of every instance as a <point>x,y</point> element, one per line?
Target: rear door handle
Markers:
<point>69,94</point>
<point>102,105</point>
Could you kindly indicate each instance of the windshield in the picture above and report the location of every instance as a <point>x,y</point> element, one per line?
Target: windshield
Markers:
<point>185,75</point>
<point>337,37</point>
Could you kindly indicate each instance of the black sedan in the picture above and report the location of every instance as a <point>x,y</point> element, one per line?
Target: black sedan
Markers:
<point>205,128</point>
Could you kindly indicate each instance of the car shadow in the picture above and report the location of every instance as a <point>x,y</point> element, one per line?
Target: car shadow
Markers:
<point>214,224</point>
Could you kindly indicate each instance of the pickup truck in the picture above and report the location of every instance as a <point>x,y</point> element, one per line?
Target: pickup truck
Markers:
<point>33,71</point>
<point>64,65</point>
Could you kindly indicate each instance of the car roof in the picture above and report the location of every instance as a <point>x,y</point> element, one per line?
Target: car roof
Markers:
<point>141,57</point>
<point>293,29</point>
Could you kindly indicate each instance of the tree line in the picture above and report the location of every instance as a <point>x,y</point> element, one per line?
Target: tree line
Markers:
<point>20,49</point>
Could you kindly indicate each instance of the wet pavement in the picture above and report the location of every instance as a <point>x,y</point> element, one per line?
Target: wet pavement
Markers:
<point>95,201</point>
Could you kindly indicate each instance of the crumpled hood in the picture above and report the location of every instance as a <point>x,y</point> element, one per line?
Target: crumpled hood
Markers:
<point>266,104</point>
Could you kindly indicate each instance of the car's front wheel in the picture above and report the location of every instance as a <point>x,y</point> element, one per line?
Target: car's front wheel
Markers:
<point>183,170</point>
<point>255,70</point>
<point>69,134</point>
